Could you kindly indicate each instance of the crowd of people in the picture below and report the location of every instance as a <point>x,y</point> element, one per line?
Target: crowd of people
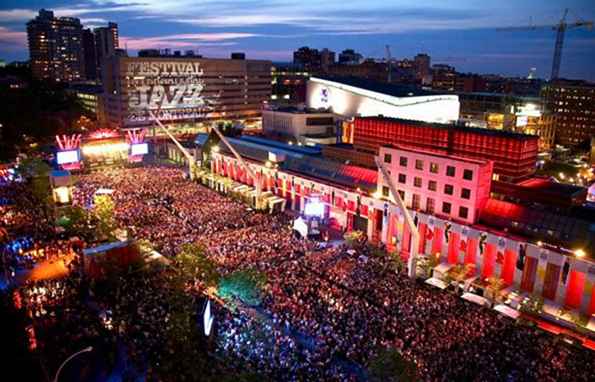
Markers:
<point>325,312</point>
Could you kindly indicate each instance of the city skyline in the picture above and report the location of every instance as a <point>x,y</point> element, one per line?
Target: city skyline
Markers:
<point>454,34</point>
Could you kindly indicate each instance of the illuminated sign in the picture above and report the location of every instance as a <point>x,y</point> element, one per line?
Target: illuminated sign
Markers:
<point>104,149</point>
<point>175,88</point>
<point>62,195</point>
<point>70,156</point>
<point>522,121</point>
<point>139,149</point>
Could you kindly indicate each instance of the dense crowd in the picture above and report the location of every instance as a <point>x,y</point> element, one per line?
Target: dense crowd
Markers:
<point>325,312</point>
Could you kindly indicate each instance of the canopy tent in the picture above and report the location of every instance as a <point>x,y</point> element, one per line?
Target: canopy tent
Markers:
<point>507,311</point>
<point>475,299</point>
<point>436,283</point>
<point>441,269</point>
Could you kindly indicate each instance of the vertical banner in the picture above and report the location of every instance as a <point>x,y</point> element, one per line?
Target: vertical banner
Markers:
<point>550,282</point>
<point>430,237</point>
<point>521,255</point>
<point>453,246</point>
<point>500,248</point>
<point>481,250</point>
<point>445,250</point>
<point>462,245</point>
<point>574,290</point>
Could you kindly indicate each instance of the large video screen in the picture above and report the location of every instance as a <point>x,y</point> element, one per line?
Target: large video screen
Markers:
<point>139,149</point>
<point>70,156</point>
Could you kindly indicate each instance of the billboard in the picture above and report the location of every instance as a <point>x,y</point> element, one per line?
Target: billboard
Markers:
<point>175,88</point>
<point>69,156</point>
<point>139,149</point>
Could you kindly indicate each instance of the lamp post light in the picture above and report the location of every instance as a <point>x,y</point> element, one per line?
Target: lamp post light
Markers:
<point>87,349</point>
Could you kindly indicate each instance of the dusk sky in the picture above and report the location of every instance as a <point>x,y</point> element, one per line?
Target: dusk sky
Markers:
<point>461,33</point>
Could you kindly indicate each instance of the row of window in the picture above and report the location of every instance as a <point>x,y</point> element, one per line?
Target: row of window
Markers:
<point>434,168</point>
<point>430,204</point>
<point>433,186</point>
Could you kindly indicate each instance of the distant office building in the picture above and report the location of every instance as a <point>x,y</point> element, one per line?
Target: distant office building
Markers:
<point>89,96</point>
<point>422,64</point>
<point>444,78</point>
<point>186,90</point>
<point>369,70</point>
<point>89,54</point>
<point>350,57</point>
<point>289,84</point>
<point>327,58</point>
<point>442,185</point>
<point>56,47</point>
<point>308,59</point>
<point>106,43</point>
<point>238,56</point>
<point>573,106</point>
<point>527,115</point>
<point>470,83</point>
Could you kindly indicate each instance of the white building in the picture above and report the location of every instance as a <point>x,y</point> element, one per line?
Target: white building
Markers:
<point>306,126</point>
<point>351,97</point>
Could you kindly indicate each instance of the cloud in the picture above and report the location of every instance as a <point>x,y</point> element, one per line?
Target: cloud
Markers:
<point>93,20</point>
<point>191,40</point>
<point>11,15</point>
<point>12,40</point>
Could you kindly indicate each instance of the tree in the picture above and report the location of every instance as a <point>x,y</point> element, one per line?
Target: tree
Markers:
<point>389,365</point>
<point>245,285</point>
<point>354,238</point>
<point>104,212</point>
<point>193,263</point>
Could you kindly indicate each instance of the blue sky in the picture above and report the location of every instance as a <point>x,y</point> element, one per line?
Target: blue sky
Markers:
<point>458,32</point>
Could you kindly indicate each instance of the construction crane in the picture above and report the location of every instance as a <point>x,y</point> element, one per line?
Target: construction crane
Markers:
<point>560,29</point>
<point>412,261</point>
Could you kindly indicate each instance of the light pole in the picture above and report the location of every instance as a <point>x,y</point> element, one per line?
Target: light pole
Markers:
<point>87,349</point>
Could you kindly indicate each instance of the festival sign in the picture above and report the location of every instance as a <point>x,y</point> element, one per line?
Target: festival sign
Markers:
<point>172,89</point>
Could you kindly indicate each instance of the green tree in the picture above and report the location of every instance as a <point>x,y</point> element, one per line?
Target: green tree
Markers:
<point>37,196</point>
<point>389,365</point>
<point>104,213</point>
<point>193,263</point>
<point>245,285</point>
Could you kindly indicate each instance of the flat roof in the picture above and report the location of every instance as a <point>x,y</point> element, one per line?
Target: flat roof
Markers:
<point>436,154</point>
<point>451,126</point>
<point>395,90</point>
<point>546,185</point>
<point>297,110</point>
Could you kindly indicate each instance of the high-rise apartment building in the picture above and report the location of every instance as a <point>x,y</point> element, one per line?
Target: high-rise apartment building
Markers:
<point>89,54</point>
<point>308,59</point>
<point>327,58</point>
<point>444,77</point>
<point>573,106</point>
<point>422,66</point>
<point>56,47</point>
<point>350,57</point>
<point>106,43</point>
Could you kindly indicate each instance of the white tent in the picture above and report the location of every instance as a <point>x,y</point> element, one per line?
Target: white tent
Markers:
<point>475,299</point>
<point>507,311</point>
<point>436,283</point>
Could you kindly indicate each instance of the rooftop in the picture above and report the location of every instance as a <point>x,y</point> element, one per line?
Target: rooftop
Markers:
<point>546,185</point>
<point>299,110</point>
<point>395,90</point>
<point>437,153</point>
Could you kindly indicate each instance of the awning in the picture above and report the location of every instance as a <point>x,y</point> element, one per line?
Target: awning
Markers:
<point>436,283</point>
<point>475,299</point>
<point>443,268</point>
<point>507,311</point>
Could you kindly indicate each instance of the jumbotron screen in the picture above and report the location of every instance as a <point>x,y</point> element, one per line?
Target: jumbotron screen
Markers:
<point>139,149</point>
<point>70,156</point>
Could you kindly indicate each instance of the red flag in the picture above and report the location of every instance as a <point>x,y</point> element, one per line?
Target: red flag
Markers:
<point>500,257</point>
<point>463,245</point>
<point>429,234</point>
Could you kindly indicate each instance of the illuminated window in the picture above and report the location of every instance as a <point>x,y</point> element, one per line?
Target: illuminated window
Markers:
<point>419,164</point>
<point>385,191</point>
<point>434,168</point>
<point>417,181</point>
<point>430,205</point>
<point>415,201</point>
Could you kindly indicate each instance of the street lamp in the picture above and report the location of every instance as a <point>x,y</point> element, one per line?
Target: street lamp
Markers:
<point>87,349</point>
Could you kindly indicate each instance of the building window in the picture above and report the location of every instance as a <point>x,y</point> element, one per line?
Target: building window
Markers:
<point>466,193</point>
<point>388,158</point>
<point>434,168</point>
<point>446,207</point>
<point>417,181</point>
<point>463,212</point>
<point>403,161</point>
<point>448,189</point>
<point>385,191</point>
<point>468,174</point>
<point>415,201</point>
<point>450,171</point>
<point>401,194</point>
<point>432,185</point>
<point>419,164</point>
<point>430,205</point>
<point>402,178</point>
